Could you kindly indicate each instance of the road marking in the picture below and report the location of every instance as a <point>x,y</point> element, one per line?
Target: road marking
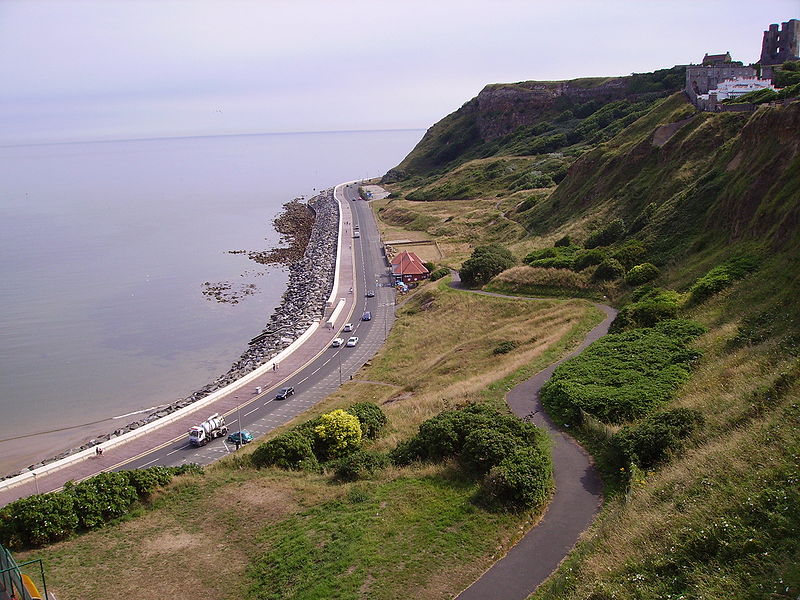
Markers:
<point>149,463</point>
<point>251,412</point>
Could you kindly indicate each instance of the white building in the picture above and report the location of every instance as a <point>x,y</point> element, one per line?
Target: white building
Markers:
<point>738,86</point>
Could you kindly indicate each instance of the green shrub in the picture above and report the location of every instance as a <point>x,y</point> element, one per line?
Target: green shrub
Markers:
<point>38,520</point>
<point>338,434</point>
<point>484,263</point>
<point>648,442</point>
<point>606,236</point>
<point>620,377</point>
<point>504,347</point>
<point>523,480</point>
<point>100,499</point>
<point>681,330</point>
<point>643,273</point>
<point>291,450</point>
<point>588,258</point>
<point>564,241</point>
<point>371,418</point>
<point>145,481</point>
<point>407,452</point>
<point>720,277</point>
<point>439,273</point>
<point>609,270</point>
<point>650,306</point>
<point>360,464</point>
<point>629,253</point>
<point>486,448</point>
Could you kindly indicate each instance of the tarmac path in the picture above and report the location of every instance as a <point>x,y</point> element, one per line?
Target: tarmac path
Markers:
<point>576,501</point>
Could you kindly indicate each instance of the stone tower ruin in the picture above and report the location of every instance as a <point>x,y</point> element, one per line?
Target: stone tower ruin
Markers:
<point>780,46</point>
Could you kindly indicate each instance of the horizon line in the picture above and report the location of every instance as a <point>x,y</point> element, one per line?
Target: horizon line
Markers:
<point>209,135</point>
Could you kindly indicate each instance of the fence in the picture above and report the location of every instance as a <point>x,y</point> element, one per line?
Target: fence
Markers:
<point>16,584</point>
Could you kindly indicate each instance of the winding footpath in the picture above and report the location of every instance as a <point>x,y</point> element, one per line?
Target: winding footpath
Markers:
<point>576,501</point>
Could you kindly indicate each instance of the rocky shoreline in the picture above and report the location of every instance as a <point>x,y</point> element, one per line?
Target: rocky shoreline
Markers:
<point>303,303</point>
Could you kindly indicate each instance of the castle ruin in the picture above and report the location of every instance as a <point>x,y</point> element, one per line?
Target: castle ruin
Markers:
<point>780,46</point>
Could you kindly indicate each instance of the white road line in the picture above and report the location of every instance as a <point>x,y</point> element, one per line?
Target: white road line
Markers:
<point>302,380</point>
<point>149,463</point>
<point>251,412</point>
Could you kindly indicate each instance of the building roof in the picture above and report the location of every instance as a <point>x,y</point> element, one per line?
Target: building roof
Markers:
<point>713,59</point>
<point>408,263</point>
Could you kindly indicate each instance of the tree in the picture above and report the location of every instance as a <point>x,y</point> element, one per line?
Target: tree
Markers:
<point>338,434</point>
<point>484,263</point>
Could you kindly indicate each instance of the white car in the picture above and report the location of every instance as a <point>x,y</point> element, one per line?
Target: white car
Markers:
<point>337,342</point>
<point>351,342</point>
<point>348,327</point>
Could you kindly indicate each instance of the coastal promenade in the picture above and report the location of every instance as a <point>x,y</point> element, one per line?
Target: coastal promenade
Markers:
<point>164,441</point>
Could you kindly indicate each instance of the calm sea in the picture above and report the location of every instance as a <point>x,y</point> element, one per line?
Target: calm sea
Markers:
<point>105,248</point>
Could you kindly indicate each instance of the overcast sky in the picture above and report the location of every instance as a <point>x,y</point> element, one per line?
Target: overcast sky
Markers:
<point>114,69</point>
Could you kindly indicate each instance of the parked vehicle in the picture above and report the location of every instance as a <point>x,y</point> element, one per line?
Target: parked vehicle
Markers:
<point>284,393</point>
<point>240,437</point>
<point>370,294</point>
<point>352,342</point>
<point>348,327</point>
<point>357,234</point>
<point>337,342</point>
<point>211,428</point>
<point>367,316</point>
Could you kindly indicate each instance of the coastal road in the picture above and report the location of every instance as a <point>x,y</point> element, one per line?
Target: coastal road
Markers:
<point>322,375</point>
<point>314,370</point>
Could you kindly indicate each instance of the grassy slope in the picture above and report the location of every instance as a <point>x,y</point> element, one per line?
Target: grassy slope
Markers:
<point>237,532</point>
<point>721,520</point>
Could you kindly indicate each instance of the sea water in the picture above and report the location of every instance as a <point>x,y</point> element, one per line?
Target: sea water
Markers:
<point>104,250</point>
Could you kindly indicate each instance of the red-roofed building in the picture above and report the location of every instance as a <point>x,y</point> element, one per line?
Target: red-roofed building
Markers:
<point>408,268</point>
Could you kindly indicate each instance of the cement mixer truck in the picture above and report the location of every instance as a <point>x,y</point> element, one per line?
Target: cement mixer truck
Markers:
<point>213,427</point>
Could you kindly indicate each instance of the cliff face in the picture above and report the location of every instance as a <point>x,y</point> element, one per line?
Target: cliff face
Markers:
<point>502,108</point>
<point>504,119</point>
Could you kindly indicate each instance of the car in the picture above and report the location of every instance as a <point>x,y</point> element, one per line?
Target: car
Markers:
<point>370,294</point>
<point>367,316</point>
<point>240,437</point>
<point>337,342</point>
<point>284,393</point>
<point>351,342</point>
<point>348,327</point>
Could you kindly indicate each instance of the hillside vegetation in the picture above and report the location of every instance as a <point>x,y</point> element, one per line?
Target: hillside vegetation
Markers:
<point>689,223</point>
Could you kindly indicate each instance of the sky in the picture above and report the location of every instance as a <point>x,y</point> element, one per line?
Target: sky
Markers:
<point>119,69</point>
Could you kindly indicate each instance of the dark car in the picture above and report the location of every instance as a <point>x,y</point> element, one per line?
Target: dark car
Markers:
<point>367,316</point>
<point>284,393</point>
<point>240,437</point>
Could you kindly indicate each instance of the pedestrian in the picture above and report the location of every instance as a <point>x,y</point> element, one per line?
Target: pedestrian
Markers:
<point>274,366</point>
<point>99,451</point>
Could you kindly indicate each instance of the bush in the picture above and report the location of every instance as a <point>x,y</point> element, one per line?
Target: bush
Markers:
<point>629,253</point>
<point>486,448</point>
<point>291,450</point>
<point>38,520</point>
<point>145,481</point>
<point>371,418</point>
<point>522,480</point>
<point>100,499</point>
<point>504,347</point>
<point>484,263</point>
<point>338,434</point>
<point>651,306</point>
<point>609,270</point>
<point>439,273</point>
<point>640,274</point>
<point>608,235</point>
<point>648,442</point>
<point>564,241</point>
<point>620,377</point>
<point>588,258</point>
<point>407,452</point>
<point>359,465</point>
<point>722,276</point>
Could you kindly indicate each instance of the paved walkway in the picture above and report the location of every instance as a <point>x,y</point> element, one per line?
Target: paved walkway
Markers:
<point>122,454</point>
<point>576,501</point>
